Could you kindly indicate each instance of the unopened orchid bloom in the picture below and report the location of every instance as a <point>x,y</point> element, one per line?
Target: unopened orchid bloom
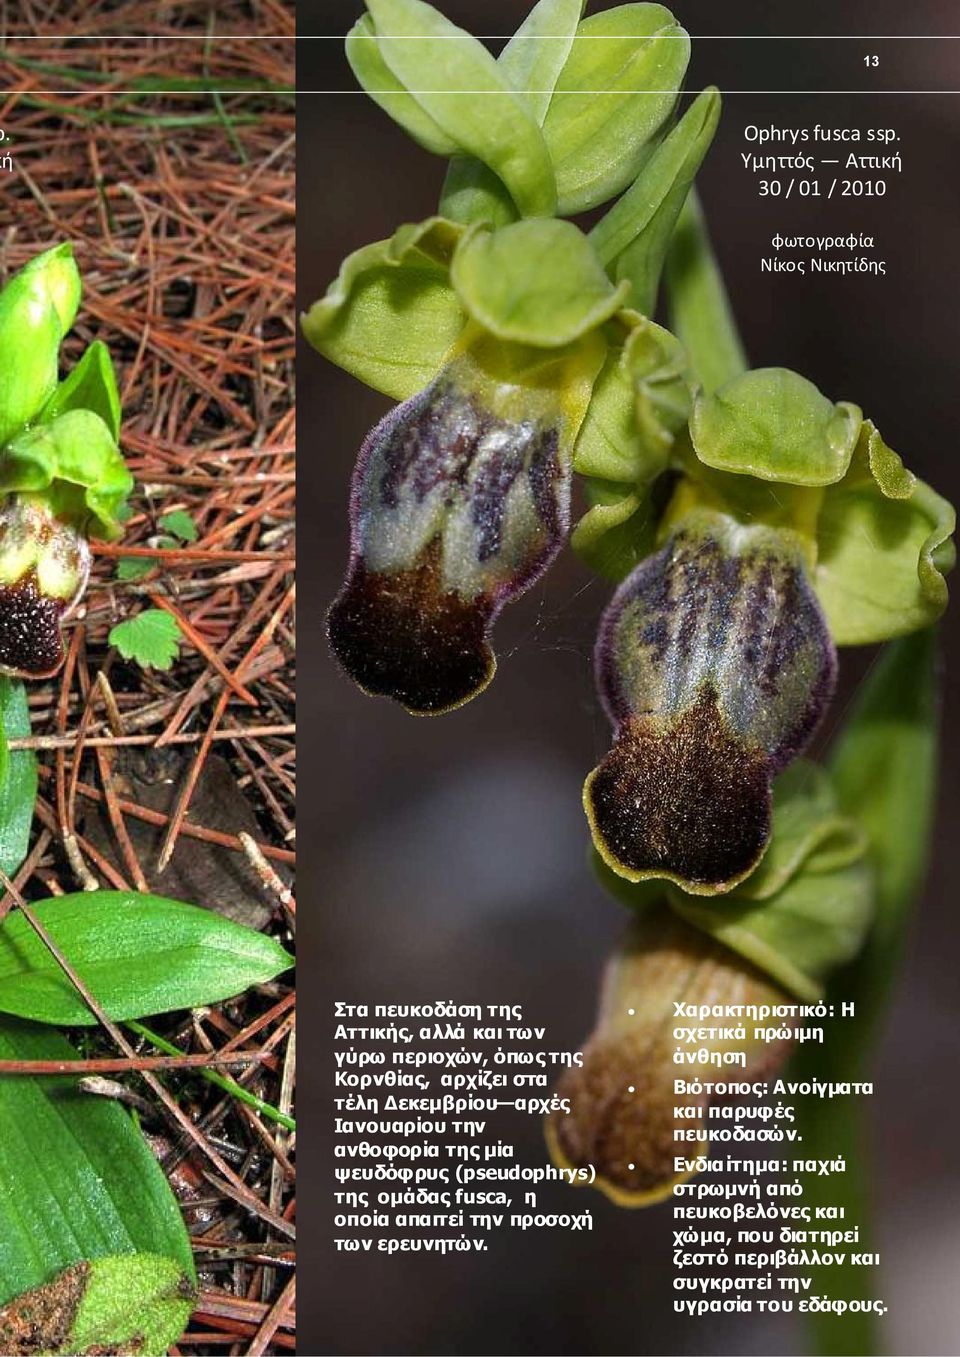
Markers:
<point>63,479</point>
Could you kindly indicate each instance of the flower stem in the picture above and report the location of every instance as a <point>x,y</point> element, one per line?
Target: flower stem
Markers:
<point>700,311</point>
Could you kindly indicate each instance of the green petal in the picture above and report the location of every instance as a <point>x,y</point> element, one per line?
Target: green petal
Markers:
<point>535,282</point>
<point>883,543</point>
<point>614,94</point>
<point>385,89</point>
<point>458,83</point>
<point>91,385</point>
<point>75,459</point>
<point>774,424</point>
<point>632,238</point>
<point>391,315</point>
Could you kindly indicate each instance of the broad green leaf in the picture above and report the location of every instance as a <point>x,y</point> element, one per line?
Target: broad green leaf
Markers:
<point>616,91</point>
<point>391,316</point>
<point>152,638</point>
<point>92,385</point>
<point>37,307</point>
<point>884,539</point>
<point>773,424</point>
<point>18,783</point>
<point>458,83</point>
<point>700,311</point>
<point>632,238</point>
<point>138,954</point>
<point>535,282</point>
<point>383,87</point>
<point>74,460</point>
<point>531,61</point>
<point>134,1302</point>
<point>77,1179</point>
<point>813,924</point>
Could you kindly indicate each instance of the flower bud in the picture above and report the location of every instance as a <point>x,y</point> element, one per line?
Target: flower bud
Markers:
<point>622,1100</point>
<point>44,564</point>
<point>461,499</point>
<point>715,665</point>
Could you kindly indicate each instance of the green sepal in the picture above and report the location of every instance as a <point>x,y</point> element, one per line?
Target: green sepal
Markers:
<point>92,385</point>
<point>139,1302</point>
<point>884,541</point>
<point>817,922</point>
<point>632,238</point>
<point>390,315</point>
<point>640,402</point>
<point>531,61</point>
<point>461,88</point>
<point>75,466</point>
<point>37,307</point>
<point>616,91</point>
<point>534,282</point>
<point>383,87</point>
<point>773,424</point>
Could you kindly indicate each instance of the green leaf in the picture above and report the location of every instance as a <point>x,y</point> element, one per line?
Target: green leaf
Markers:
<point>883,541</point>
<point>457,82</point>
<point>383,87</point>
<point>133,1302</point>
<point>130,568</point>
<point>138,954</point>
<point>615,92</point>
<point>773,424</point>
<point>74,460</point>
<point>18,783</point>
<point>37,307</point>
<point>152,638</point>
<point>535,282</point>
<point>532,61</point>
<point>632,239</point>
<point>77,1179</point>
<point>391,316</point>
<point>92,385</point>
<point>181,524</point>
<point>700,311</point>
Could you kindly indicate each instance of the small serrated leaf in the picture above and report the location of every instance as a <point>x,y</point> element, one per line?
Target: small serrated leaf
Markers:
<point>152,639</point>
<point>130,568</point>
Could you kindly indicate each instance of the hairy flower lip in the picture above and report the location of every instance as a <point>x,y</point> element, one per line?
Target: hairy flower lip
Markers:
<point>714,665</point>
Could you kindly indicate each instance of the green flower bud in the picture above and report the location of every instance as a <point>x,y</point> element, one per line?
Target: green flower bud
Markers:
<point>622,1105</point>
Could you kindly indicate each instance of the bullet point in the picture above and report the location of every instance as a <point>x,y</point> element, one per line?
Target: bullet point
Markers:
<point>631,1011</point>
<point>631,1089</point>
<point>631,1166</point>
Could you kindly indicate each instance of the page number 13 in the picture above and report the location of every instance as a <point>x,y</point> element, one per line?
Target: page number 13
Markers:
<point>871,59</point>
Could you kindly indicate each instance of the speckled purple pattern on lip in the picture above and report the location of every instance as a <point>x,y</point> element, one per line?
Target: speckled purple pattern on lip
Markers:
<point>715,666</point>
<point>454,512</point>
